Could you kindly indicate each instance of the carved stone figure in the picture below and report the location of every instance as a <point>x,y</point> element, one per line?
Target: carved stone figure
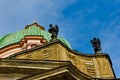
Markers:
<point>54,31</point>
<point>96,44</point>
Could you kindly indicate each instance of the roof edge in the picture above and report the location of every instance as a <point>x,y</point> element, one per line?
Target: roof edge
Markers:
<point>58,41</point>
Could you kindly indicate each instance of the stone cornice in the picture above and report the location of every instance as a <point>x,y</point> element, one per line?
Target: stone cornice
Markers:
<point>59,42</point>
<point>51,67</point>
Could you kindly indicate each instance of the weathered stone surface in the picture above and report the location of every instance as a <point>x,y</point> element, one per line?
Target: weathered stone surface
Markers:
<point>90,64</point>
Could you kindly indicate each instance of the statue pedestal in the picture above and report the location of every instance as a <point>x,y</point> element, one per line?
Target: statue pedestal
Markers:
<point>98,52</point>
<point>53,39</point>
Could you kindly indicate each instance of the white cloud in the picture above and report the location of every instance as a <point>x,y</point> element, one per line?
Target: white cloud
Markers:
<point>15,14</point>
<point>111,32</point>
<point>19,13</point>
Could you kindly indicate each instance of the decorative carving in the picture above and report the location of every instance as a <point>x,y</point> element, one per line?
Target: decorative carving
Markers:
<point>54,31</point>
<point>29,42</point>
<point>28,56</point>
<point>29,46</point>
<point>96,44</point>
<point>72,58</point>
<point>90,67</point>
<point>45,54</point>
<point>104,66</point>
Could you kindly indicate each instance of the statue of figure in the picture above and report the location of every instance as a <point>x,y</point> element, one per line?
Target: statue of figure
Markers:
<point>96,44</point>
<point>54,31</point>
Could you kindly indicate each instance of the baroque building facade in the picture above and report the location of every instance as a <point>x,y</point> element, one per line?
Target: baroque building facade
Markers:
<point>30,54</point>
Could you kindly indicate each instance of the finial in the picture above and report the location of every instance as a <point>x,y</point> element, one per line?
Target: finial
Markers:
<point>35,20</point>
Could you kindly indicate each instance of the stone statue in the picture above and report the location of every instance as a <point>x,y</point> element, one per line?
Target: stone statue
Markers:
<point>96,44</point>
<point>54,31</point>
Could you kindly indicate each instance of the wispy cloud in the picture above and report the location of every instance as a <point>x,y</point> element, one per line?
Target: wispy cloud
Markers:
<point>111,32</point>
<point>79,20</point>
<point>15,14</point>
<point>110,38</point>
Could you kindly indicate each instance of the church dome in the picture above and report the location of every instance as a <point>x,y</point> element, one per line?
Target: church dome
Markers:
<point>33,29</point>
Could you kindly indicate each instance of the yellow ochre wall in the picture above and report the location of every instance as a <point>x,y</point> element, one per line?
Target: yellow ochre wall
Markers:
<point>97,66</point>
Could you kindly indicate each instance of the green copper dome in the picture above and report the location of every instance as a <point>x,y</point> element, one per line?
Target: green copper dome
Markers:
<point>30,30</point>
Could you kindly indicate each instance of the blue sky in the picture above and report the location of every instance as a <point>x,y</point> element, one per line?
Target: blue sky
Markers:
<point>78,20</point>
